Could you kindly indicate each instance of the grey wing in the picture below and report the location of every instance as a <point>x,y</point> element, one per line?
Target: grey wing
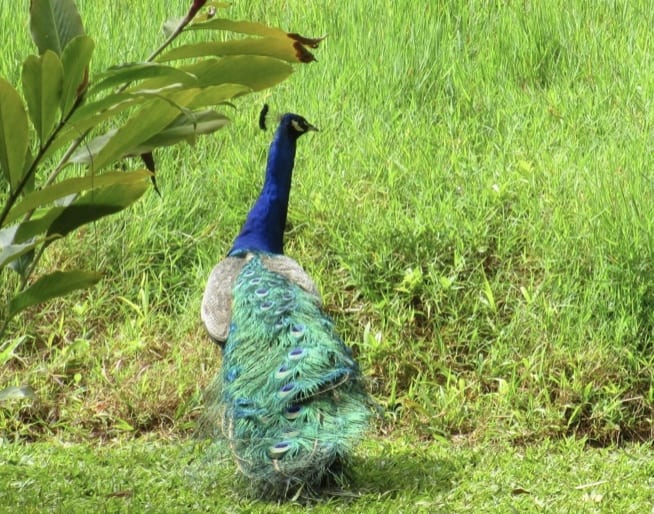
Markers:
<point>292,271</point>
<point>216,311</point>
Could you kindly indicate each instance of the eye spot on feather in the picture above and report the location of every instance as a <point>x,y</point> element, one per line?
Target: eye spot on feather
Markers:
<point>248,272</point>
<point>282,372</point>
<point>285,390</point>
<point>261,292</point>
<point>278,450</point>
<point>279,323</point>
<point>297,330</point>
<point>288,295</point>
<point>266,306</point>
<point>255,281</point>
<point>292,411</point>
<point>296,353</point>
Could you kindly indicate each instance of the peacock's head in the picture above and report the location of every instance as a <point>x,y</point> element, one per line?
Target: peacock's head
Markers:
<point>296,125</point>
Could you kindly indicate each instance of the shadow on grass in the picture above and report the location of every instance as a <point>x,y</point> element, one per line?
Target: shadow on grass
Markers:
<point>385,473</point>
<point>403,473</point>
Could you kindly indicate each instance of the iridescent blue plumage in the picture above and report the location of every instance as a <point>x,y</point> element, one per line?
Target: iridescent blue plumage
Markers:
<point>263,230</point>
<point>289,398</point>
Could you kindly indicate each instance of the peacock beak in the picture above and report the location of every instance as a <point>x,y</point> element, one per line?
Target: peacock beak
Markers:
<point>311,127</point>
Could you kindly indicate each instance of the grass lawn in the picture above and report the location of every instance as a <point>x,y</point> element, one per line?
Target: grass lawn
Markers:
<point>393,475</point>
<point>478,213</point>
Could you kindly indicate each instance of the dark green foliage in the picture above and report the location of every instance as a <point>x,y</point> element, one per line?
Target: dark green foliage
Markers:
<point>164,105</point>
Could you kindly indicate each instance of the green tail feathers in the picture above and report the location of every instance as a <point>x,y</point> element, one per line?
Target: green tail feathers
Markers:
<point>290,396</point>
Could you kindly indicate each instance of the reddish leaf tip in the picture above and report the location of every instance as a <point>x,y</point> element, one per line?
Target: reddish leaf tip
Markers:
<point>307,41</point>
<point>302,54</point>
<point>300,42</point>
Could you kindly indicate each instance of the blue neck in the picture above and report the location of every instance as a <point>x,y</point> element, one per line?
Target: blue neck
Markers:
<point>263,230</point>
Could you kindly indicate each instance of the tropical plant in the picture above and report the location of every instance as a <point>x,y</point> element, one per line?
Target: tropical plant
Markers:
<point>64,120</point>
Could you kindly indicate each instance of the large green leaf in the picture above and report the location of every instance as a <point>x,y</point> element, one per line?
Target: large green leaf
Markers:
<point>252,71</point>
<point>184,128</point>
<point>142,125</point>
<point>71,186</point>
<point>108,194</point>
<point>142,70</point>
<point>58,283</point>
<point>13,133</point>
<point>54,23</point>
<point>216,95</point>
<point>42,85</point>
<point>252,28</point>
<point>255,72</point>
<point>94,113</point>
<point>11,250</point>
<point>296,41</point>
<point>37,224</point>
<point>267,46</point>
<point>98,203</point>
<point>75,58</point>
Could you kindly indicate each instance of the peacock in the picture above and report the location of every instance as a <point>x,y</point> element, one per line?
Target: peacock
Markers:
<point>289,400</point>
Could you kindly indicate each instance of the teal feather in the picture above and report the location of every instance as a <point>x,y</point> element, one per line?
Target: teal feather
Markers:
<point>292,400</point>
<point>289,399</point>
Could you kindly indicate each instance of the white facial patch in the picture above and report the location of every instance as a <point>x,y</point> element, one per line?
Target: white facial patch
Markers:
<point>297,126</point>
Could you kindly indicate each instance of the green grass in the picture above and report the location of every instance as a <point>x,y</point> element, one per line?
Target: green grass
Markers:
<point>401,476</point>
<point>477,211</point>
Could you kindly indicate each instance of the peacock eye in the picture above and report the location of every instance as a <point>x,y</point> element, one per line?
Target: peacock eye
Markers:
<point>278,450</point>
<point>292,411</point>
<point>282,372</point>
<point>297,330</point>
<point>261,292</point>
<point>296,353</point>
<point>286,389</point>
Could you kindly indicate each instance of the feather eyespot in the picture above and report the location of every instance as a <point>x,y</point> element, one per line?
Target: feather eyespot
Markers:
<point>285,390</point>
<point>296,353</point>
<point>267,305</point>
<point>292,411</point>
<point>278,450</point>
<point>262,291</point>
<point>282,372</point>
<point>297,330</point>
